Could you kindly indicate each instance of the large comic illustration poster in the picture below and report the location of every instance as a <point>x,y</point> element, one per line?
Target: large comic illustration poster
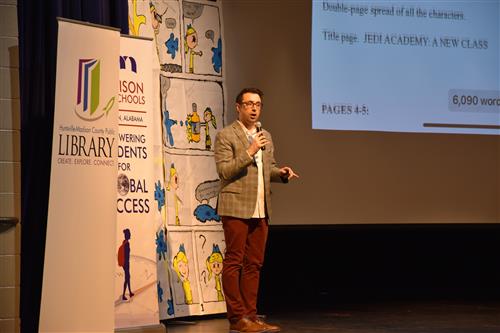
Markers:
<point>190,247</point>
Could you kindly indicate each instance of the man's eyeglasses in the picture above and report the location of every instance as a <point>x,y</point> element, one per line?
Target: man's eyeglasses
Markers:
<point>250,104</point>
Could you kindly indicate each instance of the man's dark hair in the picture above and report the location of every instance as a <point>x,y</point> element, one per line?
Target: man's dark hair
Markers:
<point>257,91</point>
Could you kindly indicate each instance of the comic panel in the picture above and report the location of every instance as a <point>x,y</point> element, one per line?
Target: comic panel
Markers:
<point>202,39</point>
<point>183,273</point>
<point>205,188</point>
<point>191,185</point>
<point>211,250</point>
<point>192,114</point>
<point>160,20</point>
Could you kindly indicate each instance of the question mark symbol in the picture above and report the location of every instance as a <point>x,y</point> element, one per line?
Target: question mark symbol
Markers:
<point>204,240</point>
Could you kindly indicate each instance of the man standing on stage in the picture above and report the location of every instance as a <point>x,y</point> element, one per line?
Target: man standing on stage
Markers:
<point>244,156</point>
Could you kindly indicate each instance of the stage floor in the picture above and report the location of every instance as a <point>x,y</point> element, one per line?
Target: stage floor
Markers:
<point>387,317</point>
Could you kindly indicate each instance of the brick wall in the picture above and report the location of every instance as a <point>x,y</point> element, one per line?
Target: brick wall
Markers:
<point>10,167</point>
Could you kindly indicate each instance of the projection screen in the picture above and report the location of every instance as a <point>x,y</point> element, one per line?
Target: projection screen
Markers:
<point>358,176</point>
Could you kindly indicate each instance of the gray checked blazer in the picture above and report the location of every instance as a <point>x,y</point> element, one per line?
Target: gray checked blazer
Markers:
<point>238,173</point>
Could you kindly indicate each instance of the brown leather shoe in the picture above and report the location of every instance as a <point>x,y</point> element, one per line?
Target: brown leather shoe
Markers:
<point>267,327</point>
<point>245,325</point>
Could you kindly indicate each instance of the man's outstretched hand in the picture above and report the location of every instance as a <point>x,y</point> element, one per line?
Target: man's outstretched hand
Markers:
<point>287,172</point>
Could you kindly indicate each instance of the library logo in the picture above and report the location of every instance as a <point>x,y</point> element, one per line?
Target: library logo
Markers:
<point>88,105</point>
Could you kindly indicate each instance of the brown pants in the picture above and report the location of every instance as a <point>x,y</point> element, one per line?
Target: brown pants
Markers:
<point>245,248</point>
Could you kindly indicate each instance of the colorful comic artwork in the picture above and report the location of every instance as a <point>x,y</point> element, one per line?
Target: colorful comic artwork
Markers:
<point>189,68</point>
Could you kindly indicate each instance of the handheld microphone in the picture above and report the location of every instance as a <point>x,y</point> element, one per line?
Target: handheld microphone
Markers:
<point>258,125</point>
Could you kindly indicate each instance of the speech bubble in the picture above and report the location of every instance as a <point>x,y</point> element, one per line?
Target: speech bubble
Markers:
<point>207,190</point>
<point>170,23</point>
<point>192,10</point>
<point>210,35</point>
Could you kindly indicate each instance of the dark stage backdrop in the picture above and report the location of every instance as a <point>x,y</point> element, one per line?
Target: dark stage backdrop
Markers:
<point>349,177</point>
<point>37,52</point>
<point>323,266</point>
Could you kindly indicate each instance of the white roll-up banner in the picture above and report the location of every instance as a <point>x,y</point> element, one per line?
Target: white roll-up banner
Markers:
<point>79,279</point>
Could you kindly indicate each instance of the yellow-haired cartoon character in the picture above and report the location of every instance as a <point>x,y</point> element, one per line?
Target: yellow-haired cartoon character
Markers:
<point>181,267</point>
<point>209,118</point>
<point>173,184</point>
<point>190,43</point>
<point>214,266</point>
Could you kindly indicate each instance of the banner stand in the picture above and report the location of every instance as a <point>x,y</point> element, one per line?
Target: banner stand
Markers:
<point>138,218</point>
<point>78,273</point>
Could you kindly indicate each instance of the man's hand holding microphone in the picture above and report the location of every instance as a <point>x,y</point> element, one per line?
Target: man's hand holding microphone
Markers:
<point>259,142</point>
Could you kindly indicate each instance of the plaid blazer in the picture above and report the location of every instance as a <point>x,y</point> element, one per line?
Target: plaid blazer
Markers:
<point>238,173</point>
